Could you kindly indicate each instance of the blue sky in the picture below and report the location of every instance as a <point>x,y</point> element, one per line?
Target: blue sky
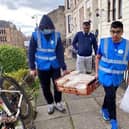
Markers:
<point>20,12</point>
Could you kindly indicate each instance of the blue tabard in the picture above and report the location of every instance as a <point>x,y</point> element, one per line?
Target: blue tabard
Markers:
<point>113,61</point>
<point>45,56</point>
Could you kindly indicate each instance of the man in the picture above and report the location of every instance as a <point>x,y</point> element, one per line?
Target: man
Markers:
<point>83,43</point>
<point>46,55</point>
<point>111,62</point>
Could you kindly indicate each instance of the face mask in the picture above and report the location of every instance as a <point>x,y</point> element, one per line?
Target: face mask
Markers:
<point>47,31</point>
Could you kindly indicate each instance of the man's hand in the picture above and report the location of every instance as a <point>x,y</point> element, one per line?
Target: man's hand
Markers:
<point>33,73</point>
<point>65,72</point>
<point>96,75</point>
<point>128,80</point>
<point>97,59</point>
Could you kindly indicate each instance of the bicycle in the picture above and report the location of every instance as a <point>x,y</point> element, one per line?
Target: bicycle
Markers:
<point>8,119</point>
<point>14,103</point>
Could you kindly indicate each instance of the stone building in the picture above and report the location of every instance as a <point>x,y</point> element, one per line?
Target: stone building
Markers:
<point>58,18</point>
<point>10,35</point>
<point>110,10</point>
<point>77,11</point>
<point>100,12</point>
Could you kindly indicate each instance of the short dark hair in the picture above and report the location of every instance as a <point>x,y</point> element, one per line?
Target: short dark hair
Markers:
<point>117,24</point>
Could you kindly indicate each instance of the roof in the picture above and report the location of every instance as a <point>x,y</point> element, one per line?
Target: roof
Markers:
<point>6,24</point>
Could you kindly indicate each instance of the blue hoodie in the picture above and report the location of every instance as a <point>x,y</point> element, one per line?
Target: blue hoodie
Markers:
<point>46,23</point>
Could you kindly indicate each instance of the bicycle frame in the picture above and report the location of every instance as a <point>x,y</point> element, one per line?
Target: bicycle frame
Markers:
<point>5,108</point>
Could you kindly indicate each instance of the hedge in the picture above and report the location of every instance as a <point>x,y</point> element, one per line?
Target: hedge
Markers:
<point>12,58</point>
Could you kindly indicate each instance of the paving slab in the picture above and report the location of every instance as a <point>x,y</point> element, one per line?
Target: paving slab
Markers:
<point>40,100</point>
<point>123,119</point>
<point>82,105</point>
<point>89,120</point>
<point>69,97</point>
<point>58,123</point>
<point>71,63</point>
<point>99,92</point>
<point>43,115</point>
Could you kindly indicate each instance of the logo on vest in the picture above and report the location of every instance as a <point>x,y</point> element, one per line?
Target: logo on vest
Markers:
<point>120,51</point>
<point>52,42</point>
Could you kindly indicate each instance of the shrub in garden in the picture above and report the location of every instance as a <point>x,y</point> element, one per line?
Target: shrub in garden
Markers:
<point>12,58</point>
<point>23,75</point>
<point>31,84</point>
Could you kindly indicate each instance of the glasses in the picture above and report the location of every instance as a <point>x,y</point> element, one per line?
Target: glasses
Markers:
<point>115,32</point>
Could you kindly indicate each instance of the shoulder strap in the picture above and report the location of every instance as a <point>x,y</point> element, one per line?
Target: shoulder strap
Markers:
<point>106,47</point>
<point>38,38</point>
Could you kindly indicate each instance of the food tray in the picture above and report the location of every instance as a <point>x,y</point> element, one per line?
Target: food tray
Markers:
<point>79,85</point>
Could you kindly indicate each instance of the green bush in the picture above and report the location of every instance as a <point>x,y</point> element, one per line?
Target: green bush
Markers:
<point>12,58</point>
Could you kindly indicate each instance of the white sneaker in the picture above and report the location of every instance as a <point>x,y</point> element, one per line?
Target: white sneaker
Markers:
<point>59,107</point>
<point>50,108</point>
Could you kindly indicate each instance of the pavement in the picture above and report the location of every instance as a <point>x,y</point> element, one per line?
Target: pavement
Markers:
<point>82,112</point>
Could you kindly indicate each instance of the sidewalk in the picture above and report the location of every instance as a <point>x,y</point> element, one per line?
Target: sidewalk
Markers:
<point>83,112</point>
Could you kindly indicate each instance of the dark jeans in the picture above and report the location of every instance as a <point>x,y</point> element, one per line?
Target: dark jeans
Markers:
<point>110,101</point>
<point>45,79</point>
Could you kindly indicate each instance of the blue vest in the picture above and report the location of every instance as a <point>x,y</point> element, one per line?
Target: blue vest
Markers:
<point>45,56</point>
<point>113,62</point>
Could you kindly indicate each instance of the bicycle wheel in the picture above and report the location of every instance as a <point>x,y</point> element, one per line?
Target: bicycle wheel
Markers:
<point>19,124</point>
<point>12,99</point>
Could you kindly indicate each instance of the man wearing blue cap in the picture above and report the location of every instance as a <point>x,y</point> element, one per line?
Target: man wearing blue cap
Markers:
<point>83,43</point>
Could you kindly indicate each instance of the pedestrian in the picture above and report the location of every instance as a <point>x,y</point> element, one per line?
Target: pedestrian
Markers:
<point>83,42</point>
<point>111,62</point>
<point>46,58</point>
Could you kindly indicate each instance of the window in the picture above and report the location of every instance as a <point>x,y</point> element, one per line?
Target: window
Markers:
<point>108,11</point>
<point>4,39</point>
<point>2,31</point>
<point>68,4</point>
<point>69,23</point>
<point>0,39</point>
<point>114,10</point>
<point>75,2</point>
<point>119,9</point>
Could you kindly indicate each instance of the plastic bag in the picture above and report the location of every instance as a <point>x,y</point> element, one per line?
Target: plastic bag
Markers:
<point>124,105</point>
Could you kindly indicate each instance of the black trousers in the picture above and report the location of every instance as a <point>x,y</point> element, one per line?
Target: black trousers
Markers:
<point>45,80</point>
<point>110,101</point>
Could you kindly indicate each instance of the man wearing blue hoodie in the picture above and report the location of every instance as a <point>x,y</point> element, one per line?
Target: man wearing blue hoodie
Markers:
<point>46,57</point>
